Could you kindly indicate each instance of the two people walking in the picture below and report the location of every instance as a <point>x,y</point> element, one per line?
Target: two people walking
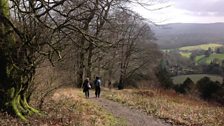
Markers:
<point>87,86</point>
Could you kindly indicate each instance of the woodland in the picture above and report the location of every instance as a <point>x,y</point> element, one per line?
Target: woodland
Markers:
<point>42,41</point>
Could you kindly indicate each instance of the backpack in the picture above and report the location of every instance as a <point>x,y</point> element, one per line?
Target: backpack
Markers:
<point>97,83</point>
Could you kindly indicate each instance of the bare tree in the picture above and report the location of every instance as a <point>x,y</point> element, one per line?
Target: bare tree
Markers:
<point>131,50</point>
<point>31,36</point>
<point>34,31</point>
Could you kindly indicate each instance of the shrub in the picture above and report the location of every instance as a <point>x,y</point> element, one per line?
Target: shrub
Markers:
<point>120,86</point>
<point>179,88</point>
<point>186,87</point>
<point>219,95</point>
<point>207,88</point>
<point>164,77</point>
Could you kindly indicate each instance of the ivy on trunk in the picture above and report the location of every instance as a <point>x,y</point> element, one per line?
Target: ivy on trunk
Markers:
<point>16,69</point>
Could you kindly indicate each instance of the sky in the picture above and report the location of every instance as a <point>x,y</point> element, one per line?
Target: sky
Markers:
<point>181,11</point>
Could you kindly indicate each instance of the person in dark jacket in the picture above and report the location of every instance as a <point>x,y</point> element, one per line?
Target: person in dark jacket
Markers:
<point>97,84</point>
<point>109,85</point>
<point>86,87</point>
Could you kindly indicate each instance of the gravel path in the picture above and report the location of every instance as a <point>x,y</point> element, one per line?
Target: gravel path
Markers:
<point>133,117</point>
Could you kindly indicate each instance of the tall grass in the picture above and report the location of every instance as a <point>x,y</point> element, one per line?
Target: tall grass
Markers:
<point>168,105</point>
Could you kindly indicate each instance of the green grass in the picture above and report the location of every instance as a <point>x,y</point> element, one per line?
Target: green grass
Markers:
<point>195,77</point>
<point>165,50</point>
<point>185,54</point>
<point>208,60</point>
<point>199,58</point>
<point>201,47</point>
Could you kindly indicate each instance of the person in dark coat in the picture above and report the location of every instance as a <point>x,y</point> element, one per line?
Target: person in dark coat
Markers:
<point>86,87</point>
<point>97,84</point>
<point>109,84</point>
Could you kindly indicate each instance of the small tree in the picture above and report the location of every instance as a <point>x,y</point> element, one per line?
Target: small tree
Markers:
<point>188,84</point>
<point>207,88</point>
<point>186,87</point>
<point>164,76</point>
<point>208,52</point>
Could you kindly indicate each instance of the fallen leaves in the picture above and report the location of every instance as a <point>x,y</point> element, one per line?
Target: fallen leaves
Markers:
<point>175,109</point>
<point>67,107</point>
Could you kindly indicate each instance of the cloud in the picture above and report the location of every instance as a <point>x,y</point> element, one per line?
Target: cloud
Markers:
<point>201,7</point>
<point>185,11</point>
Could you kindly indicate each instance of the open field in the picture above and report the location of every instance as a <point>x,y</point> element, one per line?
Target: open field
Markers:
<point>185,54</point>
<point>201,47</point>
<point>195,77</point>
<point>209,59</point>
<point>175,109</point>
<point>199,58</point>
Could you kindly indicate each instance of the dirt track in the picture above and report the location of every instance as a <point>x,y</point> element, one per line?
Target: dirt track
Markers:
<point>133,117</point>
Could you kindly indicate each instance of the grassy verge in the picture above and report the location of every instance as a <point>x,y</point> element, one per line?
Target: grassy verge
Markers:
<point>175,109</point>
<point>68,107</point>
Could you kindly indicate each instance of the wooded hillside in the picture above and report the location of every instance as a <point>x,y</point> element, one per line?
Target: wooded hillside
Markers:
<point>81,38</point>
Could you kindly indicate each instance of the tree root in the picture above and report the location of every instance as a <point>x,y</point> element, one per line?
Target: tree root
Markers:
<point>21,108</point>
<point>16,110</point>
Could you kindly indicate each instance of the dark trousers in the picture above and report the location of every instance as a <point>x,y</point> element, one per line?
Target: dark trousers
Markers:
<point>87,93</point>
<point>97,91</point>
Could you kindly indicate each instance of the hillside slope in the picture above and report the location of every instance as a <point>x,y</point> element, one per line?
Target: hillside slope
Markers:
<point>175,109</point>
<point>185,34</point>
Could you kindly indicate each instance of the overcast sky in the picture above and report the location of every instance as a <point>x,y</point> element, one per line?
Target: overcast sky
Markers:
<point>184,11</point>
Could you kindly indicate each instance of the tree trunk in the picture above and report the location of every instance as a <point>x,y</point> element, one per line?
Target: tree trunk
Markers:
<point>15,77</point>
<point>81,64</point>
<point>122,63</point>
<point>89,67</point>
<point>121,82</point>
<point>122,75</point>
<point>14,83</point>
<point>82,52</point>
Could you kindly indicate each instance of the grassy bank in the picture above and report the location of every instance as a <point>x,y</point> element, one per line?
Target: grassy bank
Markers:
<point>67,107</point>
<point>175,109</point>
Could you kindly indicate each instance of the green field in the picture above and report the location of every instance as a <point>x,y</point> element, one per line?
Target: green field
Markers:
<point>209,59</point>
<point>204,60</point>
<point>198,58</point>
<point>201,47</point>
<point>195,77</point>
<point>185,54</point>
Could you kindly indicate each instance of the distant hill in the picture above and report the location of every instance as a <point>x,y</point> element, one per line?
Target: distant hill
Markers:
<point>185,34</point>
